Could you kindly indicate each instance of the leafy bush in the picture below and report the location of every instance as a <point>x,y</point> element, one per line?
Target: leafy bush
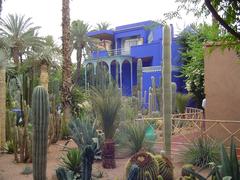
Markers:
<point>72,160</point>
<point>181,101</point>
<point>201,152</point>
<point>9,147</point>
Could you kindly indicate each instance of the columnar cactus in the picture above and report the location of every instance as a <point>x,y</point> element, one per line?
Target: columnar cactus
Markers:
<point>40,116</point>
<point>154,94</point>
<point>150,100</point>
<point>88,157</point>
<point>146,163</point>
<point>167,90</point>
<point>139,81</point>
<point>174,94</point>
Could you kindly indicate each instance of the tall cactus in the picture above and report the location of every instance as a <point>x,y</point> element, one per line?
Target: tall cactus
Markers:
<point>174,95</point>
<point>88,157</point>
<point>139,82</point>
<point>40,116</point>
<point>154,94</point>
<point>150,101</point>
<point>167,90</point>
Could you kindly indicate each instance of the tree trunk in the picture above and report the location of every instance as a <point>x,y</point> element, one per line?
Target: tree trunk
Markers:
<point>108,154</point>
<point>79,61</point>
<point>44,76</point>
<point>67,65</point>
<point>3,106</point>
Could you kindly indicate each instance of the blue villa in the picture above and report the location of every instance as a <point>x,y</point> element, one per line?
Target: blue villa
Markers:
<point>128,43</point>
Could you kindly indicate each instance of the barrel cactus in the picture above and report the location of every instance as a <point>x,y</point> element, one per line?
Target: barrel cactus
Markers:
<point>165,167</point>
<point>40,116</point>
<point>146,163</point>
<point>185,170</point>
<point>133,172</point>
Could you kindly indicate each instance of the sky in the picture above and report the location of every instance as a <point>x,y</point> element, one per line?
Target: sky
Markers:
<point>47,13</point>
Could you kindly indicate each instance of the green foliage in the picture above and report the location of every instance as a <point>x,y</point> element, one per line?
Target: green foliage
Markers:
<point>200,152</point>
<point>185,169</point>
<point>107,102</point>
<point>77,99</point>
<point>192,41</point>
<point>133,136</point>
<point>9,146</point>
<point>165,167</point>
<point>146,163</point>
<point>72,160</point>
<point>230,166</point>
<point>181,101</point>
<point>82,132</point>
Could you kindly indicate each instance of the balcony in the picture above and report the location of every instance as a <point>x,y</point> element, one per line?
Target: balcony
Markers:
<point>107,54</point>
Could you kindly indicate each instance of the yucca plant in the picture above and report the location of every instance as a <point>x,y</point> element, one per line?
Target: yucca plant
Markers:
<point>202,151</point>
<point>107,102</point>
<point>133,136</point>
<point>72,160</point>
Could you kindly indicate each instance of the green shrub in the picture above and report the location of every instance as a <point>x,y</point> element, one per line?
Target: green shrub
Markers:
<point>201,152</point>
<point>72,160</point>
<point>133,136</point>
<point>9,147</point>
<point>181,101</point>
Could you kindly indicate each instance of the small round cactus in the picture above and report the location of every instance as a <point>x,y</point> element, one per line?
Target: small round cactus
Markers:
<point>165,167</point>
<point>146,163</point>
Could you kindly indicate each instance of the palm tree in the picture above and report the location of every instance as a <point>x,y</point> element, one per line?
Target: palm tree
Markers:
<point>3,63</point>
<point>21,35</point>
<point>107,102</point>
<point>102,26</point>
<point>81,42</point>
<point>67,64</point>
<point>45,56</point>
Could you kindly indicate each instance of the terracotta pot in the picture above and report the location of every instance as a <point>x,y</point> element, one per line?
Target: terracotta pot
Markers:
<point>108,154</point>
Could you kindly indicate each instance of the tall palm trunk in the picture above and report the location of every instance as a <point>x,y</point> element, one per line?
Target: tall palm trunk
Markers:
<point>3,106</point>
<point>67,65</point>
<point>44,76</point>
<point>79,61</point>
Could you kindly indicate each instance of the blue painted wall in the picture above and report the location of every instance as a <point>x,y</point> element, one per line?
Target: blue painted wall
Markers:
<point>149,52</point>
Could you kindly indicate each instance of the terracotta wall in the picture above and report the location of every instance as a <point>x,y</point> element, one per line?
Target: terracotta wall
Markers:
<point>222,89</point>
<point>222,84</point>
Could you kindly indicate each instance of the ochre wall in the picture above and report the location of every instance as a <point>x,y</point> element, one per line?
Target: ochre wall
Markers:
<point>222,89</point>
<point>222,84</point>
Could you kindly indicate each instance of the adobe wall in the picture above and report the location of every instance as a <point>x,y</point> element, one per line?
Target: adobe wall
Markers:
<point>222,89</point>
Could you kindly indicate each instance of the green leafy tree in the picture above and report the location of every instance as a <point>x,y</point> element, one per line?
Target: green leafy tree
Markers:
<point>192,42</point>
<point>102,26</point>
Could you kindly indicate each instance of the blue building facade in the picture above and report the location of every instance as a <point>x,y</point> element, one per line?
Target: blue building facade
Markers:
<point>128,43</point>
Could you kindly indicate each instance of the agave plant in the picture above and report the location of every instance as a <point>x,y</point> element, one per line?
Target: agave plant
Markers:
<point>72,160</point>
<point>201,152</point>
<point>107,102</point>
<point>83,133</point>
